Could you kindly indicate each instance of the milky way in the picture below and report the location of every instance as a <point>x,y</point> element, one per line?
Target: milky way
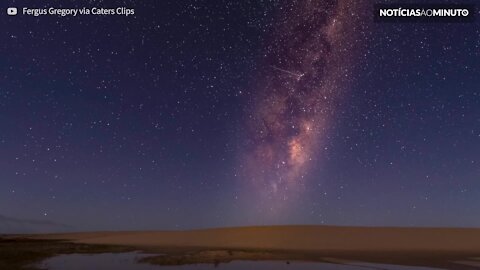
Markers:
<point>304,67</point>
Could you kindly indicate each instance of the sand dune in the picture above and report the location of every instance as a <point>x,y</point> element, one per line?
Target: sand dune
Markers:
<point>295,238</point>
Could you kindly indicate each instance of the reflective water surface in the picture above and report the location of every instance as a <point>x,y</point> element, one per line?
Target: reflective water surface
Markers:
<point>128,261</point>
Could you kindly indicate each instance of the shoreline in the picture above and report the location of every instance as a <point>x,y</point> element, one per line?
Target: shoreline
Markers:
<point>431,247</point>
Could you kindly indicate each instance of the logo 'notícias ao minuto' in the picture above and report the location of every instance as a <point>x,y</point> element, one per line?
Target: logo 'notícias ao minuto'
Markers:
<point>423,13</point>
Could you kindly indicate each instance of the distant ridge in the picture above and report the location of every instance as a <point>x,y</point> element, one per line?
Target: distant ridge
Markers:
<point>11,225</point>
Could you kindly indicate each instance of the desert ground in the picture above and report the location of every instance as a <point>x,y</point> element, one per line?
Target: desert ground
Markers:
<point>436,247</point>
<point>293,238</point>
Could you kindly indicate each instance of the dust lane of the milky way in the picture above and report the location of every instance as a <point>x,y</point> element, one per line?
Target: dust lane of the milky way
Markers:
<point>304,73</point>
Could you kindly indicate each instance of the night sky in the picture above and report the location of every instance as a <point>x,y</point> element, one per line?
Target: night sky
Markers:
<point>194,114</point>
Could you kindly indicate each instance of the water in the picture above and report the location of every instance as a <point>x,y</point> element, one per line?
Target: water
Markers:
<point>128,261</point>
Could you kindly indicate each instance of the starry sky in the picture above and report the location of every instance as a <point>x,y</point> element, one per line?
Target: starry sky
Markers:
<point>194,114</point>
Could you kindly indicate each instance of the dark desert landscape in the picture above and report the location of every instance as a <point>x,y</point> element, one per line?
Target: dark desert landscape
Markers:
<point>429,247</point>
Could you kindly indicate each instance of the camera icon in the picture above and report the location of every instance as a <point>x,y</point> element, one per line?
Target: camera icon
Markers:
<point>12,11</point>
